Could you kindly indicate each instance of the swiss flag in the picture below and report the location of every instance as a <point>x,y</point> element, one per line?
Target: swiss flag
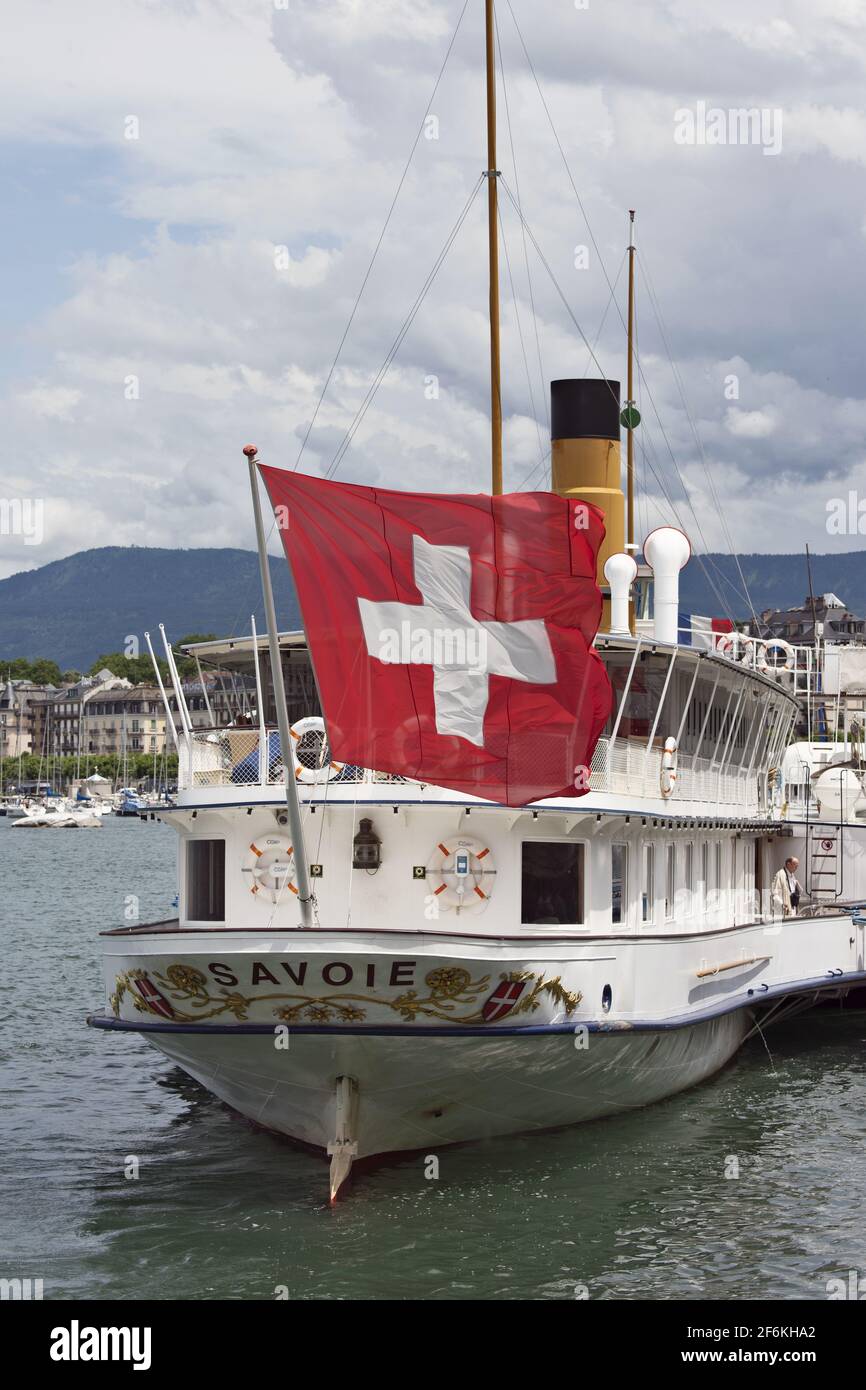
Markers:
<point>451,635</point>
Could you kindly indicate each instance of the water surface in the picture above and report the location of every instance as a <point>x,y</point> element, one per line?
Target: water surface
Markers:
<point>633,1207</point>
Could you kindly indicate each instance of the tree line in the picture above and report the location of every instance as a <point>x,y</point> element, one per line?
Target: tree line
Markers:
<point>137,669</point>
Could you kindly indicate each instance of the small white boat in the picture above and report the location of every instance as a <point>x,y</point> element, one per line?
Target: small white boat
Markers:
<point>59,817</point>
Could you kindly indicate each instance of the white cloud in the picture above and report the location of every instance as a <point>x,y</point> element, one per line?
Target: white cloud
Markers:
<point>51,402</point>
<point>750,424</point>
<point>262,128</point>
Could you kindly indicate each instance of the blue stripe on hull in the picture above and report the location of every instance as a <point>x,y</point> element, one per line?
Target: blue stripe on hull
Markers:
<point>751,997</point>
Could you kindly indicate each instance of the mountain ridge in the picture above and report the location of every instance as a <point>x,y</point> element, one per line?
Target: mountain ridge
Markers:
<point>74,609</point>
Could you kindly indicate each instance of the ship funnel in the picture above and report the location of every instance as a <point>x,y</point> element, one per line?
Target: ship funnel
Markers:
<point>620,571</point>
<point>666,550</point>
<point>585,459</point>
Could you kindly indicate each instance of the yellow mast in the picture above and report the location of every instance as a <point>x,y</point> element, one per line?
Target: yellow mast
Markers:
<point>492,174</point>
<point>629,409</point>
<point>630,387</point>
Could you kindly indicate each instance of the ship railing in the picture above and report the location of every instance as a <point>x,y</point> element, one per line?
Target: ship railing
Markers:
<point>626,766</point>
<point>238,757</point>
<point>794,666</point>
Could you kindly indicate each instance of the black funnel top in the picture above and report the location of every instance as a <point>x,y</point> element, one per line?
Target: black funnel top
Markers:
<point>584,408</point>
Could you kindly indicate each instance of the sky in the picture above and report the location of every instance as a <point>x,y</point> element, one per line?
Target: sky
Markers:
<point>193,191</point>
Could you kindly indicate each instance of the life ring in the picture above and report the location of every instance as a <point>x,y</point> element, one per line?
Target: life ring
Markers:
<point>736,646</point>
<point>668,774</point>
<point>462,873</point>
<point>270,866</point>
<point>325,772</point>
<point>773,668</point>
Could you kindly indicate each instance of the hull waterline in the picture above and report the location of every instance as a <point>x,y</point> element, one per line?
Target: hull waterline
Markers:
<point>417,1092</point>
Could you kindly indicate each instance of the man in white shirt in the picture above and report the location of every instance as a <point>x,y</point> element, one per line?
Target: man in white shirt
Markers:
<point>787,888</point>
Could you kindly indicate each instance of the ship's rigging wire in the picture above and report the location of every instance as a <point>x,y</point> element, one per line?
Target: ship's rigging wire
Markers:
<point>656,308</point>
<point>644,443</point>
<point>541,454</point>
<point>641,490</point>
<point>611,299</point>
<point>597,250</point>
<point>534,468</point>
<point>594,358</point>
<point>367,273</point>
<point>641,376</point>
<point>401,334</point>
<point>385,225</point>
<point>541,373</point>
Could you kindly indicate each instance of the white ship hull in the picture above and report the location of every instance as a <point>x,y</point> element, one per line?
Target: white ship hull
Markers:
<point>447,1038</point>
<point>420,1093</point>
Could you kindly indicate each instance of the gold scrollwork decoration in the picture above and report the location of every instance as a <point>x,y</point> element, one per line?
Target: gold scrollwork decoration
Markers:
<point>450,989</point>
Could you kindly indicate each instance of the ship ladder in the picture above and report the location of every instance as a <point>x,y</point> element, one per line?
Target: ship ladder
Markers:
<point>824,864</point>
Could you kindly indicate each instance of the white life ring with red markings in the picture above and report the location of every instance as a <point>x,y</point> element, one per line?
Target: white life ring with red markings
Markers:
<point>271,868</point>
<point>736,646</point>
<point>321,771</point>
<point>668,775</point>
<point>462,875</point>
<point>774,668</point>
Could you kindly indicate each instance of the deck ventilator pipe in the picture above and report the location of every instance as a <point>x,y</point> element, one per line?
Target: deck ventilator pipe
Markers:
<point>620,571</point>
<point>666,550</point>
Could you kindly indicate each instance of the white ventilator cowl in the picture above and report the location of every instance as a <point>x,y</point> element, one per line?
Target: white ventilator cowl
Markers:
<point>620,571</point>
<point>666,550</point>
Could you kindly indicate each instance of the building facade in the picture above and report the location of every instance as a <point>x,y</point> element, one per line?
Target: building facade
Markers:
<point>828,619</point>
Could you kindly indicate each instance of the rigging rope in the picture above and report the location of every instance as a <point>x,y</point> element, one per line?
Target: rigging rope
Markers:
<point>520,335</point>
<point>542,376</point>
<point>404,329</point>
<point>656,307</point>
<point>385,225</point>
<point>610,287</point>
<point>594,358</point>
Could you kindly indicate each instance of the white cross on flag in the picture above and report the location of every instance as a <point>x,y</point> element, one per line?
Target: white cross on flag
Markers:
<point>451,635</point>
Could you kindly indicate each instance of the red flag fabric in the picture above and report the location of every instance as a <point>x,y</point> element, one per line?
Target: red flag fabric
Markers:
<point>451,634</point>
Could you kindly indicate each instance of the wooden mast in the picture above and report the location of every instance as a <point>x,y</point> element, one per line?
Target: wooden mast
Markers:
<point>492,174</point>
<point>630,387</point>
<point>629,532</point>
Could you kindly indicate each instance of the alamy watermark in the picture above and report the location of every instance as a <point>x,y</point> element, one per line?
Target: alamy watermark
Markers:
<point>739,125</point>
<point>23,516</point>
<point>20,1290</point>
<point>457,648</point>
<point>846,516</point>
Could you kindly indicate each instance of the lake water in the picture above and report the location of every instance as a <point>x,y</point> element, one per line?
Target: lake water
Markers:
<point>634,1207</point>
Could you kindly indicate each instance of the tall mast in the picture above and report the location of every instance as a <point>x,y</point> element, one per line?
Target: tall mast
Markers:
<point>629,413</point>
<point>630,388</point>
<point>492,174</point>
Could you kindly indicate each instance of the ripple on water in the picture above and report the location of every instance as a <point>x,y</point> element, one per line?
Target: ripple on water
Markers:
<point>637,1206</point>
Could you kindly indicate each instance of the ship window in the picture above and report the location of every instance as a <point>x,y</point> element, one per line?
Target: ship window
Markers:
<point>670,880</point>
<point>552,883</point>
<point>647,892</point>
<point>205,880</point>
<point>618,882</point>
